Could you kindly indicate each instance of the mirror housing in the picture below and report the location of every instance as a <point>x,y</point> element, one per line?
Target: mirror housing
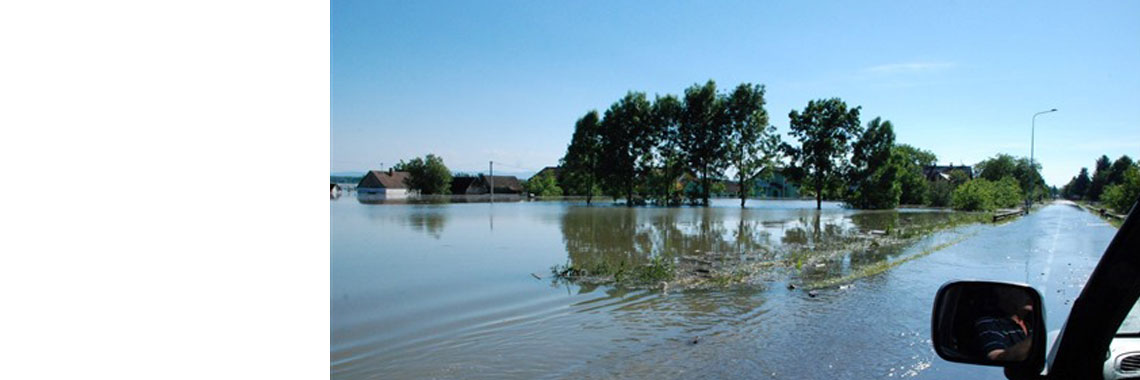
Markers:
<point>990,323</point>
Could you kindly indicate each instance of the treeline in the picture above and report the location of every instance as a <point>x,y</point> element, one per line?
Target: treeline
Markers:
<point>1115,184</point>
<point>644,150</point>
<point>640,149</point>
<point>345,179</point>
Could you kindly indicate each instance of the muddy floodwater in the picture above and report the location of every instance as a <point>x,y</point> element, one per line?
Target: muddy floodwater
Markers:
<point>466,290</point>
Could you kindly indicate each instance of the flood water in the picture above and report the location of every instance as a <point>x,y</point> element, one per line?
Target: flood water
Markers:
<point>448,290</point>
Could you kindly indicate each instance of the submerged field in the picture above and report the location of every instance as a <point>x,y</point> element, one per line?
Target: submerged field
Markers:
<point>562,290</point>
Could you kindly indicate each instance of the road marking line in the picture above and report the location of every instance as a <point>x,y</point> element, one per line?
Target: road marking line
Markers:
<point>1049,260</point>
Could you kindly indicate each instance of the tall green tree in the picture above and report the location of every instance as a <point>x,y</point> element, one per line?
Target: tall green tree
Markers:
<point>581,162</point>
<point>428,175</point>
<point>994,169</point>
<point>702,134</point>
<point>1028,176</point>
<point>1099,178</point>
<point>670,159</point>
<point>915,187</point>
<point>753,145</point>
<point>626,138</point>
<point>1079,185</point>
<point>873,175</point>
<point>824,130</point>
<point>1116,173</point>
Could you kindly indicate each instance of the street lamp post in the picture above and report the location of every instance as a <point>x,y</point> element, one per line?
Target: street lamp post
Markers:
<point>1032,164</point>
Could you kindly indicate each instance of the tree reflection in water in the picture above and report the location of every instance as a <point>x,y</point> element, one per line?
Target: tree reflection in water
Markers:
<point>813,245</point>
<point>430,222</point>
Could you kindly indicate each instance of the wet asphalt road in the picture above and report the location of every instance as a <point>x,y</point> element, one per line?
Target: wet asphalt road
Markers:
<point>1054,249</point>
<point>880,326</point>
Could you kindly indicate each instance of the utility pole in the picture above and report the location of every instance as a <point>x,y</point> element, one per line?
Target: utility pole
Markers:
<point>491,180</point>
<point>1032,164</point>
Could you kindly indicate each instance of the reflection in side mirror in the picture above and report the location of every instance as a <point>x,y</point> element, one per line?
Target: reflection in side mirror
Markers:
<point>989,323</point>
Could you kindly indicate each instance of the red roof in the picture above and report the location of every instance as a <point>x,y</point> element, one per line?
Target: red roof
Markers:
<point>384,180</point>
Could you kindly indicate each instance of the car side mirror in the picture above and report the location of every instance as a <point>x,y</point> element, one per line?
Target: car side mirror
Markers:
<point>990,323</point>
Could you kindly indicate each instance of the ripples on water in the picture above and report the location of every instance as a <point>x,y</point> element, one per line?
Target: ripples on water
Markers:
<point>445,290</point>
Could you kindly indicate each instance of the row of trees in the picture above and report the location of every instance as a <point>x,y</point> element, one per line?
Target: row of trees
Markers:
<point>1084,187</point>
<point>644,151</point>
<point>1115,184</point>
<point>878,173</point>
<point>640,150</point>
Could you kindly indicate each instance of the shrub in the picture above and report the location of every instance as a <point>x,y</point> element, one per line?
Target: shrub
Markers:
<point>1007,193</point>
<point>974,195</point>
<point>939,192</point>
<point>1120,197</point>
<point>545,185</point>
<point>984,195</point>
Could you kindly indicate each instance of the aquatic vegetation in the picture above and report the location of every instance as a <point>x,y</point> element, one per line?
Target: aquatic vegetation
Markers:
<point>812,251</point>
<point>656,270</point>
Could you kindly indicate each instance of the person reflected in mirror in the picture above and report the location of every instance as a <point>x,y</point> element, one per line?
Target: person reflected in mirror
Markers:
<point>1006,334</point>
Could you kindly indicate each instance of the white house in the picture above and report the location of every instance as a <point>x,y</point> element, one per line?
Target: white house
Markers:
<point>389,184</point>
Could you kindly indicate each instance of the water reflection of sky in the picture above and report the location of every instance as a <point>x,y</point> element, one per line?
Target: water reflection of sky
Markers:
<point>445,290</point>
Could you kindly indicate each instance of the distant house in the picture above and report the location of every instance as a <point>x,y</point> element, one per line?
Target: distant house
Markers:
<point>504,184</point>
<point>463,185</point>
<point>942,173</point>
<point>556,171</point>
<point>389,184</point>
<point>773,186</point>
<point>776,186</point>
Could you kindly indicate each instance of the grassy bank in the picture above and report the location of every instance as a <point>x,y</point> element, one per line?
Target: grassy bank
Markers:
<point>1113,219</point>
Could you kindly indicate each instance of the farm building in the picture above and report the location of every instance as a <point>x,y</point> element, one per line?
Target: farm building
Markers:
<point>389,184</point>
<point>504,184</point>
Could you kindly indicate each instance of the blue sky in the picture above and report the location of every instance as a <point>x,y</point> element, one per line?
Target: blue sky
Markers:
<point>505,81</point>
